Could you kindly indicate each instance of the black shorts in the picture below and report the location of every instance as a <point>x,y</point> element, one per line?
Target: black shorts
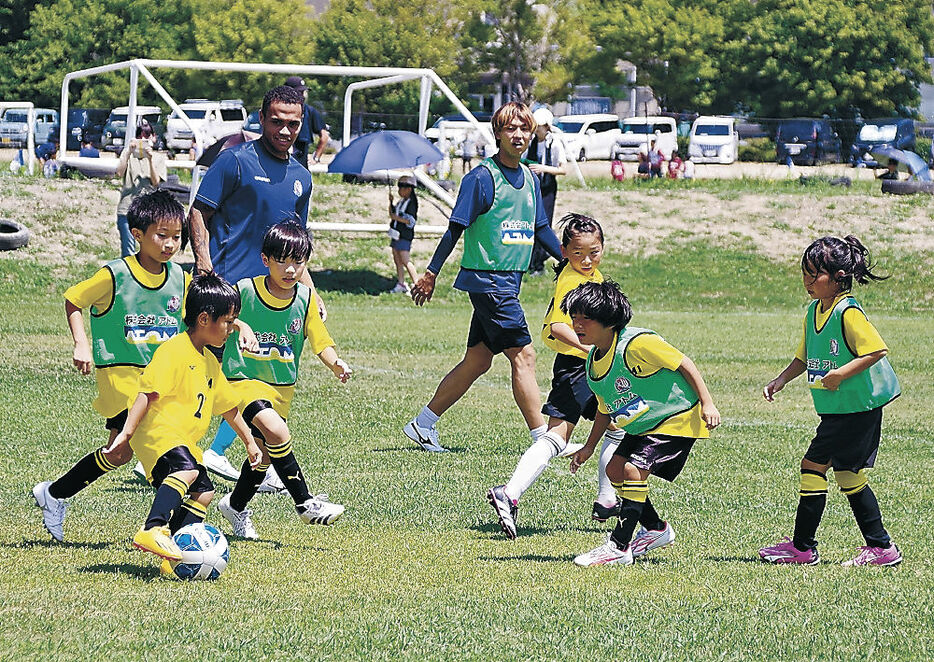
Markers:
<point>250,412</point>
<point>847,442</point>
<point>116,422</point>
<point>570,397</point>
<point>498,322</point>
<point>181,459</point>
<point>662,455</point>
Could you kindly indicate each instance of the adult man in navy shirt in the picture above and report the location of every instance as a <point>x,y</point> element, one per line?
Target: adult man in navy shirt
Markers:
<point>312,125</point>
<point>499,211</point>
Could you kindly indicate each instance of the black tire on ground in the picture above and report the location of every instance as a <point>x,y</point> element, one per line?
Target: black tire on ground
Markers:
<point>896,187</point>
<point>583,155</point>
<point>12,235</point>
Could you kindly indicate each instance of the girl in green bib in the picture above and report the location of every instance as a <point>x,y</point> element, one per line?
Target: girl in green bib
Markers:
<point>851,380</point>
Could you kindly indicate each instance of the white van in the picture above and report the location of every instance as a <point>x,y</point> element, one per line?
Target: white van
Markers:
<point>589,136</point>
<point>638,131</point>
<point>212,119</point>
<point>714,140</point>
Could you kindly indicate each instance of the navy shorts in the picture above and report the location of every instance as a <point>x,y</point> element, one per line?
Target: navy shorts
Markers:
<point>181,459</point>
<point>847,442</point>
<point>401,244</point>
<point>570,397</point>
<point>662,455</point>
<point>498,322</point>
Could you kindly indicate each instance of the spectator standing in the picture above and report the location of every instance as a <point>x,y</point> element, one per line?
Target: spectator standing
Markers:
<point>468,151</point>
<point>142,169</point>
<point>312,125</point>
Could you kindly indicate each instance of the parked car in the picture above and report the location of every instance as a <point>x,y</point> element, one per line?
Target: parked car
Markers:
<point>807,142</point>
<point>897,132</point>
<point>83,124</point>
<point>115,128</point>
<point>251,123</point>
<point>636,132</point>
<point>589,136</point>
<point>14,126</point>
<point>456,127</point>
<point>713,140</point>
<point>212,119</point>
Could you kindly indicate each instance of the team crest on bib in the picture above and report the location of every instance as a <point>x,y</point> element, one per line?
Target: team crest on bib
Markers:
<point>174,304</point>
<point>295,325</point>
<point>834,347</point>
<point>297,188</point>
<point>622,385</point>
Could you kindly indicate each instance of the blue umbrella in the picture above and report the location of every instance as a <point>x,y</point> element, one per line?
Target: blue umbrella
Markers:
<point>907,161</point>
<point>385,150</point>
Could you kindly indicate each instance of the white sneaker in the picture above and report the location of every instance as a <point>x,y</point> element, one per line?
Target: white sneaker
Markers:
<point>140,472</point>
<point>646,540</point>
<point>220,465</point>
<point>427,438</point>
<point>606,554</point>
<point>271,484</point>
<point>239,519</point>
<point>53,510</point>
<point>400,288</point>
<point>318,510</point>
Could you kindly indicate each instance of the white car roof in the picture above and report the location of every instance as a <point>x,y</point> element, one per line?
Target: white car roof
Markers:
<point>588,118</point>
<point>140,110</point>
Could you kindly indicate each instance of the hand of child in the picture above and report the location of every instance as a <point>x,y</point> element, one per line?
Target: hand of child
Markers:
<point>536,168</point>
<point>82,359</point>
<point>772,388</point>
<point>253,453</point>
<point>581,456</point>
<point>247,341</point>
<point>120,442</point>
<point>342,371</point>
<point>711,415</point>
<point>831,381</point>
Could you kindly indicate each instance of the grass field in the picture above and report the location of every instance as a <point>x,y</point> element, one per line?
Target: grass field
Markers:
<point>417,568</point>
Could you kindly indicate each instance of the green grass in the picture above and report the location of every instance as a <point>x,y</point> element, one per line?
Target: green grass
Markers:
<point>417,569</point>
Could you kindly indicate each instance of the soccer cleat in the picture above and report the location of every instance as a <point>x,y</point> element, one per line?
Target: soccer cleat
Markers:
<point>506,509</point>
<point>786,552</point>
<point>220,465</point>
<point>271,484</point>
<point>318,510</point>
<point>875,556</point>
<point>166,569</point>
<point>400,288</point>
<point>648,539</point>
<point>53,510</point>
<point>609,553</point>
<point>602,513</point>
<point>239,519</point>
<point>158,541</point>
<point>427,438</point>
<point>140,472</point>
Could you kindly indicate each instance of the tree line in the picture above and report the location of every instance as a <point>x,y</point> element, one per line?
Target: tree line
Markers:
<point>771,58</point>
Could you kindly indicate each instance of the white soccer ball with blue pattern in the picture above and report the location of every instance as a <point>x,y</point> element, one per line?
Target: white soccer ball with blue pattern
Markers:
<point>204,552</point>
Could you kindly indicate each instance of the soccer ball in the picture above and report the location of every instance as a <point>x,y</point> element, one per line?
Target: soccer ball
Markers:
<point>204,552</point>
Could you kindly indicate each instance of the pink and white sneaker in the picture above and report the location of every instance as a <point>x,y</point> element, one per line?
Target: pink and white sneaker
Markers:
<point>647,540</point>
<point>786,552</point>
<point>876,556</point>
<point>608,553</point>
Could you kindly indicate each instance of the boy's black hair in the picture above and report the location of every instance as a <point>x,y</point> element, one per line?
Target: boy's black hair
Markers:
<point>158,205</point>
<point>287,239</point>
<point>602,302</point>
<point>282,94</point>
<point>832,254</point>
<point>575,224</point>
<point>211,294</point>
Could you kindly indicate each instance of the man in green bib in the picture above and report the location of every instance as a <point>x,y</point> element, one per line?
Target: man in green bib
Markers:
<point>500,213</point>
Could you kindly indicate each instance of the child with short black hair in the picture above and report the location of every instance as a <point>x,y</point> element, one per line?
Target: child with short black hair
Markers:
<point>656,395</point>
<point>281,312</point>
<point>136,304</point>
<point>851,380</point>
<point>178,392</point>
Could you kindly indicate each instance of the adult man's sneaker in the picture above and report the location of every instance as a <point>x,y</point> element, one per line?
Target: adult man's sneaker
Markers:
<point>427,438</point>
<point>648,539</point>
<point>876,556</point>
<point>602,513</point>
<point>786,552</point>
<point>158,541</point>
<point>53,510</point>
<point>271,484</point>
<point>609,553</point>
<point>319,510</point>
<point>239,519</point>
<point>506,509</point>
<point>220,465</point>
<point>140,472</point>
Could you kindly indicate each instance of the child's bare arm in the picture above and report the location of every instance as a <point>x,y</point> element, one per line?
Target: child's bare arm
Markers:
<point>235,420</point>
<point>709,411</point>
<point>566,334</point>
<point>600,423</point>
<point>335,364</point>
<point>319,302</point>
<point>832,379</point>
<point>792,370</point>
<point>82,355</point>
<point>247,339</point>
<point>137,410</point>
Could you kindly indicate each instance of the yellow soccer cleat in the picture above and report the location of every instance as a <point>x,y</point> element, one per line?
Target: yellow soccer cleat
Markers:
<point>166,570</point>
<point>158,541</point>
